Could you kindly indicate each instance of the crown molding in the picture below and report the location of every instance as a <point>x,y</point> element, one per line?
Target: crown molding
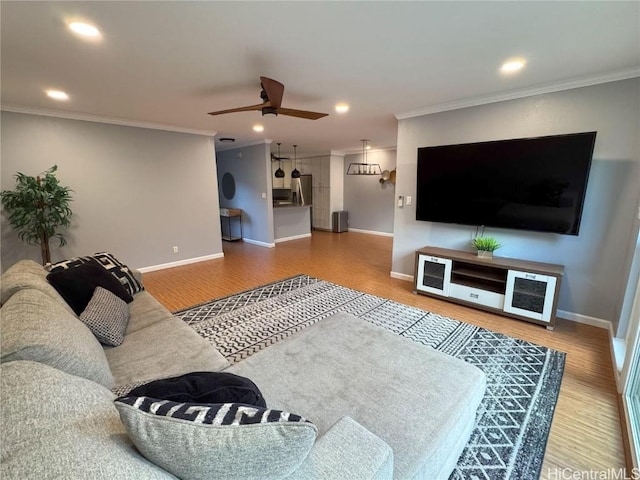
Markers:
<point>223,148</point>
<point>527,92</point>
<point>100,119</point>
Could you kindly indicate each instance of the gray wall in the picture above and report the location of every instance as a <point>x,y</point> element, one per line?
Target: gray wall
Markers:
<point>137,192</point>
<point>598,260</point>
<point>369,203</point>
<point>251,168</point>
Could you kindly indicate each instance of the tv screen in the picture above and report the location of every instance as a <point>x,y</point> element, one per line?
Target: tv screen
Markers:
<point>526,183</point>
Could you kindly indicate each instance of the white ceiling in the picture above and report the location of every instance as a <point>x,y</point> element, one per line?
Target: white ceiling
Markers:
<point>169,63</point>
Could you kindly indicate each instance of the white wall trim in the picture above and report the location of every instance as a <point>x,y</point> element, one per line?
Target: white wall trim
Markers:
<point>371,232</point>
<point>100,119</point>
<point>294,237</point>
<point>402,276</point>
<point>527,92</point>
<point>260,244</point>
<point>224,147</point>
<point>180,263</point>
<point>585,319</point>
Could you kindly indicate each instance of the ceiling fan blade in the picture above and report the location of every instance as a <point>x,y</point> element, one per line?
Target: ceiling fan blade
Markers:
<point>301,113</point>
<point>250,108</point>
<point>276,158</point>
<point>274,91</point>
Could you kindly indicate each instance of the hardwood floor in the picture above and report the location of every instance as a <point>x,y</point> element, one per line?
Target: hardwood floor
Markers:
<point>585,434</point>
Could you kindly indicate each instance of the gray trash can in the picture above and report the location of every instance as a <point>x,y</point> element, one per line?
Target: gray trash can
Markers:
<point>340,221</point>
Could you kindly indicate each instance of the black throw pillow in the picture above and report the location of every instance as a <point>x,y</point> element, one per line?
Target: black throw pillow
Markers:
<point>203,387</point>
<point>76,285</point>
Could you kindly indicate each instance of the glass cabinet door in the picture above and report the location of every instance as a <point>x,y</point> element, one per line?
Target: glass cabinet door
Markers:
<point>434,275</point>
<point>530,295</point>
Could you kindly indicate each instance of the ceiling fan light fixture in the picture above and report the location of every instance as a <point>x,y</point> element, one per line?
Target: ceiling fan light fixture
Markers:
<point>364,167</point>
<point>269,111</point>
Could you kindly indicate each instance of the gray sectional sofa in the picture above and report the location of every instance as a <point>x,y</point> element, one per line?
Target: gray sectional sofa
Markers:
<point>377,414</point>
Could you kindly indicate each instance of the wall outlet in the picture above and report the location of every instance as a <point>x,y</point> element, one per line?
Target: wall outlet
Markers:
<point>408,201</point>
<point>264,194</point>
<point>175,249</point>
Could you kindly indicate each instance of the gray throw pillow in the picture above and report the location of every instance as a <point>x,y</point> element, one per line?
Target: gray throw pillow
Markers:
<point>225,440</point>
<point>107,316</point>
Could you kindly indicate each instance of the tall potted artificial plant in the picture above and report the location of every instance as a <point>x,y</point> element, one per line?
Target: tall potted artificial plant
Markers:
<point>38,209</point>
<point>485,246</point>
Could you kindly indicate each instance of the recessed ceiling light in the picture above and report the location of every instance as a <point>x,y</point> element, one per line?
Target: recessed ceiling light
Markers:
<point>84,29</point>
<point>258,128</point>
<point>512,66</point>
<point>342,108</point>
<point>57,95</point>
<point>368,147</point>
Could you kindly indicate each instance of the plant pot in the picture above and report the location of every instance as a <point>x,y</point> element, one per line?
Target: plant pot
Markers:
<point>485,254</point>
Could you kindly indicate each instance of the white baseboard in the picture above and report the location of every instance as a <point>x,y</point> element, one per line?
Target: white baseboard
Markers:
<point>294,237</point>
<point>587,320</point>
<point>260,244</point>
<point>179,263</point>
<point>402,276</point>
<point>371,232</point>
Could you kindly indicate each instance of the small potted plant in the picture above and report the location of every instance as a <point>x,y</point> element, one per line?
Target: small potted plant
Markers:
<point>485,246</point>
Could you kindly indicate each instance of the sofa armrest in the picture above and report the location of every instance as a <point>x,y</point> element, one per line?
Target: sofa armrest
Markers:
<point>347,451</point>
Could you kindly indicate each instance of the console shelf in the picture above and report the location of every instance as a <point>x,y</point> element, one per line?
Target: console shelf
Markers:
<point>516,288</point>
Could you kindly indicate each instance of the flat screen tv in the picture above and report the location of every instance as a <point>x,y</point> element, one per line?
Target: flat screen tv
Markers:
<point>527,183</point>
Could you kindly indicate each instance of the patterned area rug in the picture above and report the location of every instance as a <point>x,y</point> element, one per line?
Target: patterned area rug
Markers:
<point>523,379</point>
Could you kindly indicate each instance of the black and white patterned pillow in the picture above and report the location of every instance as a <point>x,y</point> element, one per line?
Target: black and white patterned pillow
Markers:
<point>107,316</point>
<point>110,263</point>
<point>224,440</point>
<point>120,271</point>
<point>67,264</point>
<point>220,414</point>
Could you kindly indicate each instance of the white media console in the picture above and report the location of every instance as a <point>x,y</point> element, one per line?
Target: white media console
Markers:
<point>517,288</point>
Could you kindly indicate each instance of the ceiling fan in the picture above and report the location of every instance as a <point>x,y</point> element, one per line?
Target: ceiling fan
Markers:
<point>271,94</point>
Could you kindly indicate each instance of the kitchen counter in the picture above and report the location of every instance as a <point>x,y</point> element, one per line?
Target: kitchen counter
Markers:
<point>291,205</point>
<point>291,222</point>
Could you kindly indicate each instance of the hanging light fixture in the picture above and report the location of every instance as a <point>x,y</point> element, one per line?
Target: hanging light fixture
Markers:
<point>279,172</point>
<point>295,173</point>
<point>364,167</point>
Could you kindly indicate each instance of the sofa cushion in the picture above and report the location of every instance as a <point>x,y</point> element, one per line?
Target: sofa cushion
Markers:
<point>56,425</point>
<point>110,263</point>
<point>77,285</point>
<point>419,401</point>
<point>106,316</point>
<point>145,310</point>
<point>206,441</point>
<point>164,349</point>
<point>27,274</point>
<point>37,328</point>
<point>203,387</point>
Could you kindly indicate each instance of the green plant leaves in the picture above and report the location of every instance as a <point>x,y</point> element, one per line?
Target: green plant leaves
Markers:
<point>488,244</point>
<point>38,207</point>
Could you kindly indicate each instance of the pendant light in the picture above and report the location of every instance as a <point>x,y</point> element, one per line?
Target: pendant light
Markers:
<point>279,172</point>
<point>295,173</point>
<point>364,167</point>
